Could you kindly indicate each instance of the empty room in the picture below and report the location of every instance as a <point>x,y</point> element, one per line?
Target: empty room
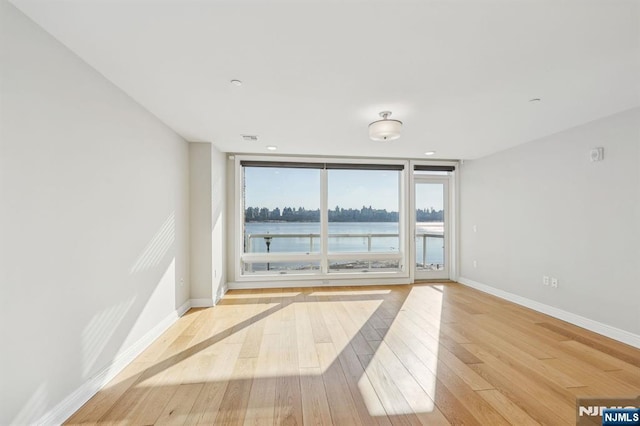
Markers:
<point>227,212</point>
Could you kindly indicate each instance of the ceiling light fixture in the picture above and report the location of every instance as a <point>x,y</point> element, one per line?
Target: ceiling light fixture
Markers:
<point>272,148</point>
<point>429,153</point>
<point>385,129</point>
<point>236,82</point>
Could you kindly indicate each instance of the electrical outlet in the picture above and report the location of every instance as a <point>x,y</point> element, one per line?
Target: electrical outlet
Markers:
<point>554,282</point>
<point>545,280</point>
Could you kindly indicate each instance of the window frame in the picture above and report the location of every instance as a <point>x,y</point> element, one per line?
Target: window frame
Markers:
<point>400,276</point>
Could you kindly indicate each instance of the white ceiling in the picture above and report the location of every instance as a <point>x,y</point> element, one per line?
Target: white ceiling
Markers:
<point>458,73</point>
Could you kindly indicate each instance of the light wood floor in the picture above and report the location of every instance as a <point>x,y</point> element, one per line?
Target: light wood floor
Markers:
<point>424,354</point>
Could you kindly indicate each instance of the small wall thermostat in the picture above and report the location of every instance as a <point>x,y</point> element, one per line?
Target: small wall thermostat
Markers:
<point>596,154</point>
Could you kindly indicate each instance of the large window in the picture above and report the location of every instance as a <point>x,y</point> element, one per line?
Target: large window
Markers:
<point>281,215</point>
<point>321,218</point>
<point>365,219</point>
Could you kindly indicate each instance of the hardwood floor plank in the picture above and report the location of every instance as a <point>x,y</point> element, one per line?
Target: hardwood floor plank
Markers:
<point>96,407</point>
<point>394,403</point>
<point>341,404</point>
<point>603,344</point>
<point>122,411</point>
<point>235,400</point>
<point>416,396</point>
<point>320,332</point>
<point>307,356</point>
<point>178,408</point>
<point>288,400</point>
<point>263,391</point>
<point>315,407</point>
<point>206,405</point>
<point>509,410</point>
<point>545,402</point>
<point>602,360</point>
<point>608,384</point>
<point>152,405</point>
<point>628,377</point>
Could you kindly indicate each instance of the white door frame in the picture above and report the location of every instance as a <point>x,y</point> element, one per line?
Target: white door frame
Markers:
<point>449,226</point>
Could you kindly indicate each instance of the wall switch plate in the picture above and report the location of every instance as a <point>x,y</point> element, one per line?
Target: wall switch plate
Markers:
<point>554,282</point>
<point>475,263</point>
<point>545,280</point>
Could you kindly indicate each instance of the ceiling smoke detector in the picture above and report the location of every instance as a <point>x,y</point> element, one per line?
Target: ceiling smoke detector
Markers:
<point>385,129</point>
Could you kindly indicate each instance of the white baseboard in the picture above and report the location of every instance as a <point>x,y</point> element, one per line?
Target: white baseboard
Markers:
<point>201,303</point>
<point>595,326</point>
<point>183,309</point>
<point>62,411</point>
<point>221,292</point>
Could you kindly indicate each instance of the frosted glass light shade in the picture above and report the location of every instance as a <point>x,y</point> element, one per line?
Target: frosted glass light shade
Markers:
<point>385,130</point>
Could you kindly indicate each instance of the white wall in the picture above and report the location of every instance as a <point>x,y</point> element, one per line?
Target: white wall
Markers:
<point>207,168</point>
<point>200,221</point>
<point>231,268</point>
<point>544,209</point>
<point>93,221</point>
<point>219,222</point>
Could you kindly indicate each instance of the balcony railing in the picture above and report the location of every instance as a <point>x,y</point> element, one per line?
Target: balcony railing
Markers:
<point>252,241</point>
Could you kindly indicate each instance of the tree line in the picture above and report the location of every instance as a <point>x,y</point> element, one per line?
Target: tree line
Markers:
<point>365,214</point>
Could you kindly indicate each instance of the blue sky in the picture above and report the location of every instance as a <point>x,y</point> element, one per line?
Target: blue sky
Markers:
<point>274,187</point>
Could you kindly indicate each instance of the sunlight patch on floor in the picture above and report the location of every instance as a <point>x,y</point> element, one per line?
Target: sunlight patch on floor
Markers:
<point>400,377</point>
<point>431,326</point>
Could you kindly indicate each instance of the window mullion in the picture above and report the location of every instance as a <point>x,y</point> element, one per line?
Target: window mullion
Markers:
<point>324,220</point>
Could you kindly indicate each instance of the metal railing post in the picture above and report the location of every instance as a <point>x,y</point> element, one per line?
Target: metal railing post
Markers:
<point>249,240</point>
<point>424,251</point>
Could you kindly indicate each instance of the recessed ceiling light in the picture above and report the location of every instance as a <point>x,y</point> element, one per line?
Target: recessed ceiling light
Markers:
<point>272,148</point>
<point>535,100</point>
<point>429,153</point>
<point>236,82</point>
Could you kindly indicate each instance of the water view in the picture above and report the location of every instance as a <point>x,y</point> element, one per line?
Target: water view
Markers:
<point>344,237</point>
